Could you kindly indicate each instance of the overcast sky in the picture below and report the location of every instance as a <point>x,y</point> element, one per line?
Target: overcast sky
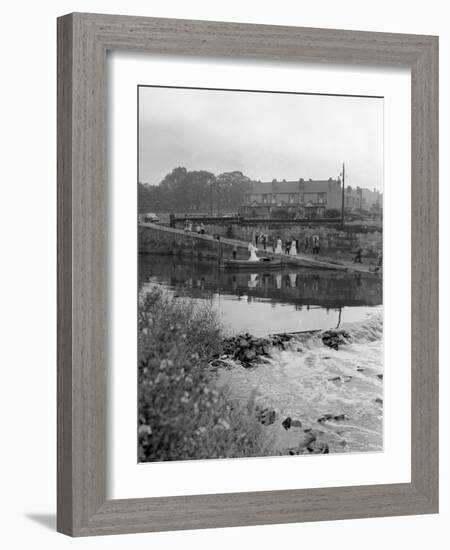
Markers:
<point>264,135</point>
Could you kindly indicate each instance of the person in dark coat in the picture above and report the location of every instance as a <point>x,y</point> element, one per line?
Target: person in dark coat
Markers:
<point>358,256</point>
<point>305,244</point>
<point>287,246</point>
<point>315,244</point>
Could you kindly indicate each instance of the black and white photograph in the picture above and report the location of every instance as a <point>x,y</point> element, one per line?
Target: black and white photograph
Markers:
<point>260,273</point>
<point>229,304</point>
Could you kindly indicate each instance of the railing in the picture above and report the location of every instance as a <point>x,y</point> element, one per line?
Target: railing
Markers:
<point>220,220</point>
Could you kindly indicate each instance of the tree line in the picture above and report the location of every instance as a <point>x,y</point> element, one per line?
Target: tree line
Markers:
<point>194,191</point>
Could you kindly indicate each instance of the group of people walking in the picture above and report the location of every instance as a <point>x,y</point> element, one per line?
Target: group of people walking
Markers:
<point>290,246</point>
<point>199,228</point>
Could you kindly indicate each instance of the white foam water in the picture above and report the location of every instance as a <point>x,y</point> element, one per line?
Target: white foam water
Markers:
<point>318,381</point>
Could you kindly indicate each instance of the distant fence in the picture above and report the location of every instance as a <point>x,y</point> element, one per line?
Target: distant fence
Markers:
<point>226,220</point>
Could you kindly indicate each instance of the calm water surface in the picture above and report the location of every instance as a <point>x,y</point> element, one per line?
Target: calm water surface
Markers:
<point>265,303</point>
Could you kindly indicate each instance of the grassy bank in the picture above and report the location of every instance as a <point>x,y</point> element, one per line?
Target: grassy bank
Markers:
<point>182,415</point>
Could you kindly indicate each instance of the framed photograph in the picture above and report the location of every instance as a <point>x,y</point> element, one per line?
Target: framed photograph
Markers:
<point>247,274</point>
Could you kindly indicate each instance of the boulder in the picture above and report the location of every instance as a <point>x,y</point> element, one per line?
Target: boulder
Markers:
<point>308,439</point>
<point>249,355</point>
<point>325,418</point>
<point>289,423</point>
<point>292,440</point>
<point>318,447</point>
<point>335,338</point>
<point>266,416</point>
<point>246,348</point>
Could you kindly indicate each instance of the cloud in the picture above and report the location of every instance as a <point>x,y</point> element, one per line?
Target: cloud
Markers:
<point>265,135</point>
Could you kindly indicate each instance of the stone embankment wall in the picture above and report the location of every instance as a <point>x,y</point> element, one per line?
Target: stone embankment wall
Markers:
<point>176,242</point>
<point>333,238</point>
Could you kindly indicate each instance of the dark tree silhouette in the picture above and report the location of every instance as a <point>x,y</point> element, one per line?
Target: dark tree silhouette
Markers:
<point>195,191</point>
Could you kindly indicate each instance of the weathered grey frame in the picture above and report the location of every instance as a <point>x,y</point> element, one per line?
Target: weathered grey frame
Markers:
<point>83,40</point>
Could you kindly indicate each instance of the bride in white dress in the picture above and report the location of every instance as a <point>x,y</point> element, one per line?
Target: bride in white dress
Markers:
<point>293,249</point>
<point>279,248</point>
<point>252,249</point>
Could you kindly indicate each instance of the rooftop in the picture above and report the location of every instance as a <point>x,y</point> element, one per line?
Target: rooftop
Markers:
<point>291,186</point>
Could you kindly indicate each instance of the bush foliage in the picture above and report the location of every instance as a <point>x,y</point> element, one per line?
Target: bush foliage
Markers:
<point>182,414</point>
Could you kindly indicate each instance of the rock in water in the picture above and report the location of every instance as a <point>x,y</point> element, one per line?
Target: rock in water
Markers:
<point>325,418</point>
<point>340,417</point>
<point>293,440</point>
<point>335,338</point>
<point>318,448</point>
<point>288,423</point>
<point>246,348</point>
<point>309,439</point>
<point>266,416</point>
<point>249,355</point>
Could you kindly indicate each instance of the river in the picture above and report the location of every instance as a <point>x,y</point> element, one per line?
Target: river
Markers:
<point>306,384</point>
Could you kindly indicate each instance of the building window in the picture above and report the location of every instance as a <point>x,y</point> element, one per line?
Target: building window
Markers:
<point>265,199</point>
<point>321,198</point>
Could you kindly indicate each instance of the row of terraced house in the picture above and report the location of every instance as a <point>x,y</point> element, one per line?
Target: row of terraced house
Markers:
<point>307,198</point>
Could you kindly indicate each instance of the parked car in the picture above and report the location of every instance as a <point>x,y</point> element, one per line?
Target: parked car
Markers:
<point>151,217</point>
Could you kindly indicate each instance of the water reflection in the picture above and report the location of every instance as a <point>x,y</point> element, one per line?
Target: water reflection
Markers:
<point>300,287</point>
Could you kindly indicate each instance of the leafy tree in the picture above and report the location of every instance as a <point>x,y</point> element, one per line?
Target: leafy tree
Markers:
<point>231,187</point>
<point>196,191</point>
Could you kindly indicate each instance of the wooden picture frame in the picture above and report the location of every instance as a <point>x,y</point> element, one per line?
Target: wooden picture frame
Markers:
<point>83,40</point>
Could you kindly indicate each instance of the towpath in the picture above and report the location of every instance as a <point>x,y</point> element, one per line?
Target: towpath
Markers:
<point>301,260</point>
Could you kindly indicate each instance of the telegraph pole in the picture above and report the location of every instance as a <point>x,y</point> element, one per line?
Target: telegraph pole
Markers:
<point>343,188</point>
<point>211,197</point>
<point>218,197</point>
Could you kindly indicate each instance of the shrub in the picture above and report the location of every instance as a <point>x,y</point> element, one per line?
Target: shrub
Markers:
<point>332,213</point>
<point>182,414</point>
<point>282,214</point>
